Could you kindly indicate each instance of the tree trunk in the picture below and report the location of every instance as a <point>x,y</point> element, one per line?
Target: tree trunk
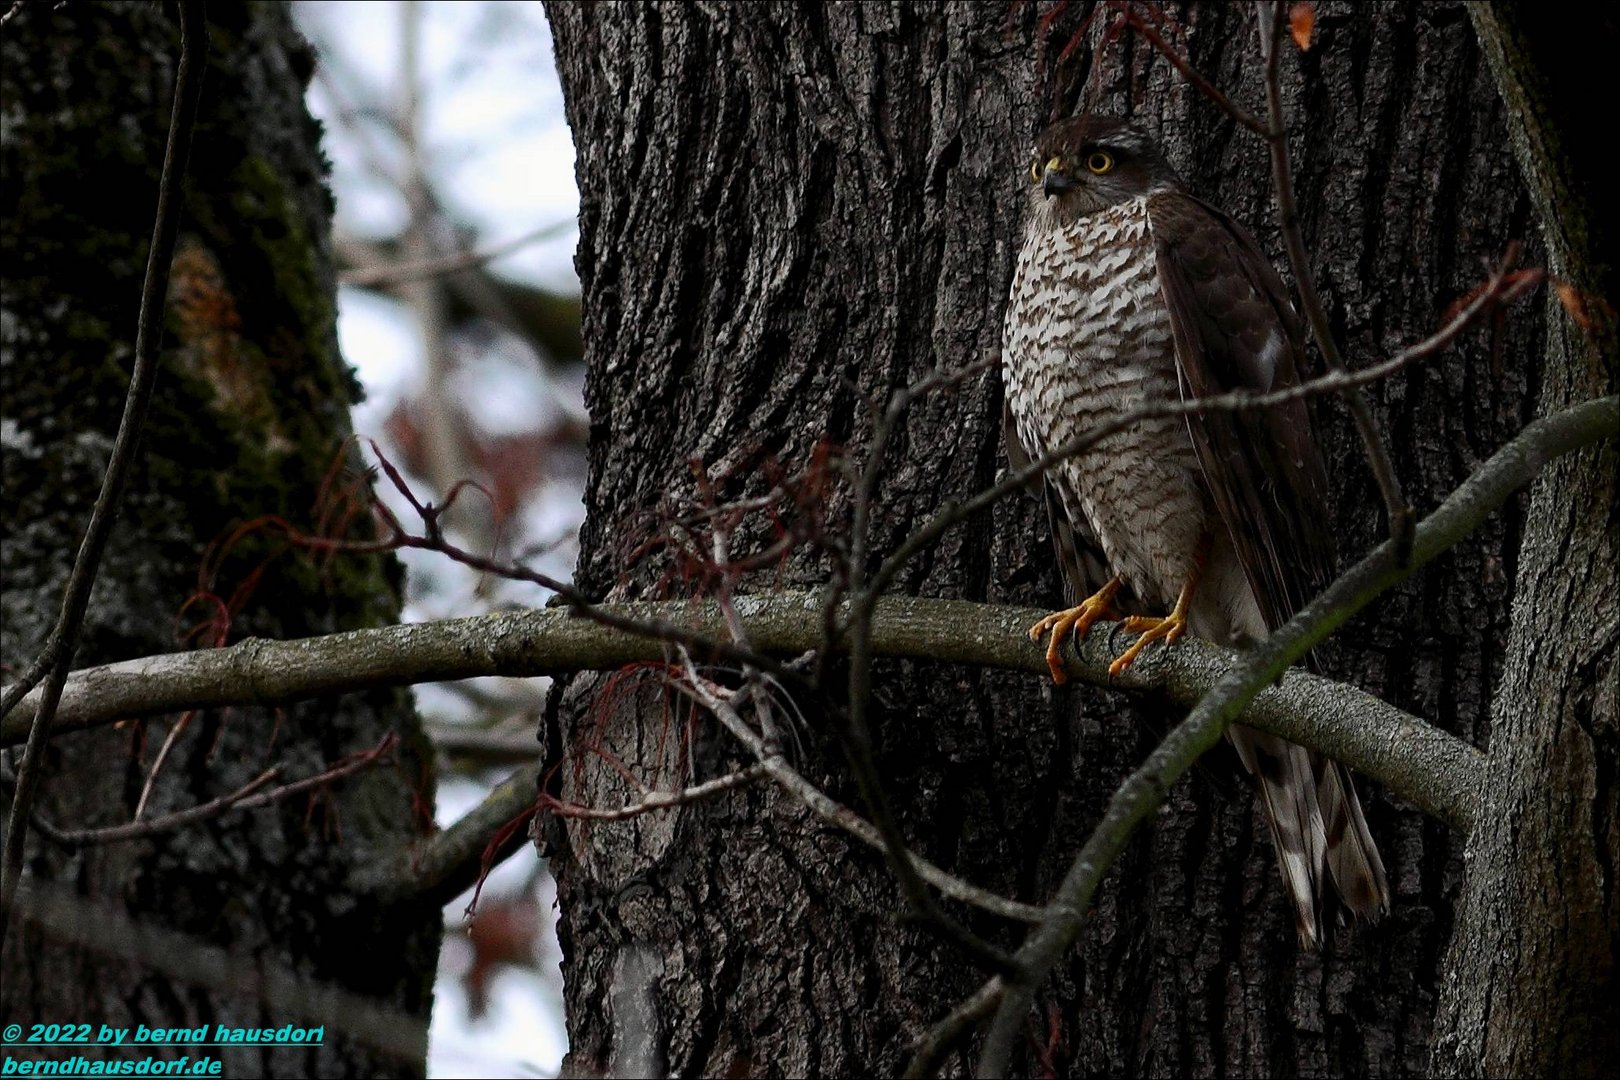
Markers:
<point>789,211</point>
<point>1530,986</point>
<point>250,411</point>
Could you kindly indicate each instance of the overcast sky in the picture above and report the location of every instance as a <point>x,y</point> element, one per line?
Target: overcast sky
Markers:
<point>501,159</point>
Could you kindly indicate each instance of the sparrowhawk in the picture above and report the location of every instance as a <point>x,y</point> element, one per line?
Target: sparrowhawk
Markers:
<point>1129,290</point>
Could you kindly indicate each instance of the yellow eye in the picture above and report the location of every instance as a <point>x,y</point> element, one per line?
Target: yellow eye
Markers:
<point>1099,161</point>
<point>1035,169</point>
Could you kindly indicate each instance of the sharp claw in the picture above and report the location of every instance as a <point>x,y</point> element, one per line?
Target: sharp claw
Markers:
<point>1076,621</point>
<point>1168,629</point>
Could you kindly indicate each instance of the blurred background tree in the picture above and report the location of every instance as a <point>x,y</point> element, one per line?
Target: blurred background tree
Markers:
<point>452,239</point>
<point>454,232</point>
<point>246,919</point>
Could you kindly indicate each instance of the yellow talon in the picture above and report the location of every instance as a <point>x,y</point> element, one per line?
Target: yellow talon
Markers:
<point>1076,620</point>
<point>1168,629</point>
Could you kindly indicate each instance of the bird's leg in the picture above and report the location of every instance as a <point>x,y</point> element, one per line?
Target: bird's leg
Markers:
<point>1076,620</point>
<point>1170,627</point>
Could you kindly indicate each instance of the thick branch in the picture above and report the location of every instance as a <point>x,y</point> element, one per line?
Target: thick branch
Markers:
<point>1417,761</point>
<point>447,863</point>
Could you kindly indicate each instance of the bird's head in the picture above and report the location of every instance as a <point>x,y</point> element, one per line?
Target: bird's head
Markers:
<point>1088,163</point>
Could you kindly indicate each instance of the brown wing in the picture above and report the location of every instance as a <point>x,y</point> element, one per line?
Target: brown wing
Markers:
<point>1235,330</point>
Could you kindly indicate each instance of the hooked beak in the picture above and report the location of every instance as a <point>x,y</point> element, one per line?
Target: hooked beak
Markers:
<point>1054,181</point>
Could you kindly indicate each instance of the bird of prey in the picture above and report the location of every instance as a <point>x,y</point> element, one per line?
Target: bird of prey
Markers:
<point>1129,290</point>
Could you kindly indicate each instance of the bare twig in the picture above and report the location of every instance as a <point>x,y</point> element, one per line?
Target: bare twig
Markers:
<point>1188,72</point>
<point>719,701</point>
<point>659,800</point>
<point>371,277</point>
<point>247,797</point>
<point>175,731</point>
<point>136,830</point>
<point>1144,790</point>
<point>57,656</point>
<point>855,732</point>
<point>72,838</point>
<point>1272,17</point>
<point>1504,285</point>
<point>433,539</point>
<point>444,444</point>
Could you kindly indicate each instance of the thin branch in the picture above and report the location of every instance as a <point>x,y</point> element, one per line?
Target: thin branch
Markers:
<point>136,830</point>
<point>54,662</point>
<point>449,862</point>
<point>247,797</point>
<point>661,800</point>
<point>834,813</point>
<point>1190,73</point>
<point>175,731</point>
<point>1396,507</point>
<point>386,274</point>
<point>434,540</point>
<point>1144,790</point>
<point>855,733</point>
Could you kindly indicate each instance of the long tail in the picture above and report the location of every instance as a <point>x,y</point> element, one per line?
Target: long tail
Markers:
<point>1288,795</point>
<point>1352,857</point>
<point>1318,830</point>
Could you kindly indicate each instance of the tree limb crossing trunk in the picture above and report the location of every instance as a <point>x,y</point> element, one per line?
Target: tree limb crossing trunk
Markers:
<point>786,211</point>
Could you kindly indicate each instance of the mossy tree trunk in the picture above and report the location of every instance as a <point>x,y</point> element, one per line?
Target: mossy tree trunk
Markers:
<point>250,412</point>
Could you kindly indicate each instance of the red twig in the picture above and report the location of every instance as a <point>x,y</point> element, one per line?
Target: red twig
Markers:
<point>247,797</point>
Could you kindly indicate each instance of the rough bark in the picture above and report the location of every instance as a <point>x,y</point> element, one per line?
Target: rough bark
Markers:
<point>1530,985</point>
<point>787,211</point>
<point>250,411</point>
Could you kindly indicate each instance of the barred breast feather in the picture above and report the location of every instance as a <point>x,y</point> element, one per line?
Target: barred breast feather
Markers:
<point>1088,338</point>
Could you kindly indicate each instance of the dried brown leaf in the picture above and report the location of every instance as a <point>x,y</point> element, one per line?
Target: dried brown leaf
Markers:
<point>1574,302</point>
<point>1301,21</point>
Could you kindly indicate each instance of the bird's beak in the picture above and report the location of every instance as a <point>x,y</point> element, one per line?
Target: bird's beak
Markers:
<point>1054,181</point>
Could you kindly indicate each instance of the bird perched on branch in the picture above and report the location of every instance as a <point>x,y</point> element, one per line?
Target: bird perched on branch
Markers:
<point>1128,291</point>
